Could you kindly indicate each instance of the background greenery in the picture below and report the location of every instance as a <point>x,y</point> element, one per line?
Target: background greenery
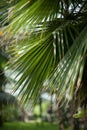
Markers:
<point>29,126</point>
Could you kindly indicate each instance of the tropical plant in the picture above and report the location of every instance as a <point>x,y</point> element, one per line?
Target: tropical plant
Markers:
<point>4,7</point>
<point>48,42</point>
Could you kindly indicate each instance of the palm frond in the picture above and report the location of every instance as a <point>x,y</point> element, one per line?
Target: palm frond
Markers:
<point>50,39</point>
<point>68,74</point>
<point>34,67</point>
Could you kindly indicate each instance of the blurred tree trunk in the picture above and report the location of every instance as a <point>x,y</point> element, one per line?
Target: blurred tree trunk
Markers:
<point>74,122</point>
<point>24,115</point>
<point>60,118</point>
<point>85,123</point>
<point>1,117</point>
<point>40,104</point>
<point>1,83</point>
<point>51,108</point>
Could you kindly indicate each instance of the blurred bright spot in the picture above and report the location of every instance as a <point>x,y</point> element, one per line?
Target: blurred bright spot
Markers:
<point>1,34</point>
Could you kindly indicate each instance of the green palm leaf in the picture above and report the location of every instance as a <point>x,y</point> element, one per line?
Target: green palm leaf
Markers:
<point>50,42</point>
<point>68,73</point>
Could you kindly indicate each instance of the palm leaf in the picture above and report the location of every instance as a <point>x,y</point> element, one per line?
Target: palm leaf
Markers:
<point>50,40</point>
<point>69,71</point>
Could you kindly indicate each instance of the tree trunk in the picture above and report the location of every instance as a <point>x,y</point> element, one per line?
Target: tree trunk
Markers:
<point>40,104</point>
<point>1,117</point>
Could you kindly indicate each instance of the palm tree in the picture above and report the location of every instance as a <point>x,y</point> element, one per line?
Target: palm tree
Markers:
<point>48,42</point>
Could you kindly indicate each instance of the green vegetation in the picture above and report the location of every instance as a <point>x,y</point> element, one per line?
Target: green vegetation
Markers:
<point>45,106</point>
<point>29,126</point>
